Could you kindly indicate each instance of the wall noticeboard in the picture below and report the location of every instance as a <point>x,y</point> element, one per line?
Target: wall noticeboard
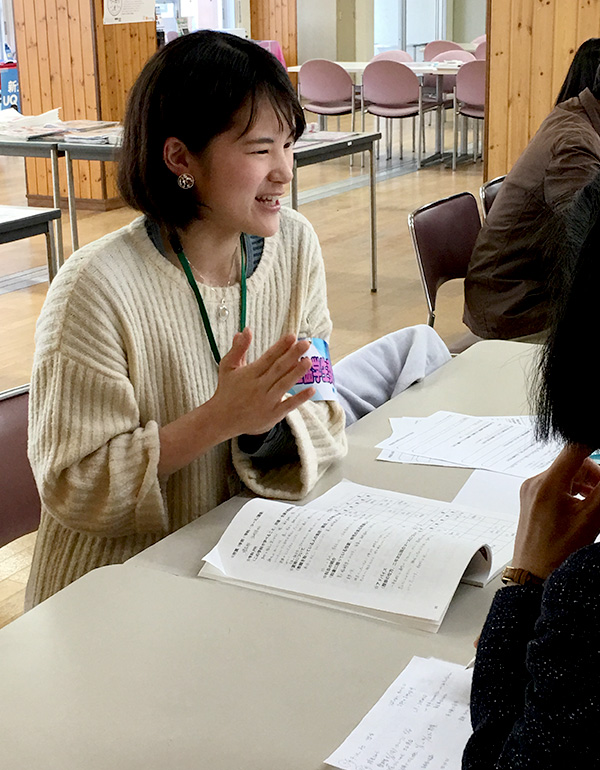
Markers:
<point>128,11</point>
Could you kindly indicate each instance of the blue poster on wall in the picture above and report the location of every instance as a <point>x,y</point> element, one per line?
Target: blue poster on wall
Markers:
<point>9,80</point>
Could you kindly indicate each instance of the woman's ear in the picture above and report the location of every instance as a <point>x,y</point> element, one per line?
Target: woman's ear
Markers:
<point>176,156</point>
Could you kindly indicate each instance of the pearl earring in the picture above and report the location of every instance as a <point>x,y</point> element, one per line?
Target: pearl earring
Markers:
<point>186,181</point>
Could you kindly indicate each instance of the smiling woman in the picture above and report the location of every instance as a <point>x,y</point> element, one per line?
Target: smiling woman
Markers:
<point>165,350</point>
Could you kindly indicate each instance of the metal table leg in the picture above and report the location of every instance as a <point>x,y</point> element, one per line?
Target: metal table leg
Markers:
<point>372,183</point>
<point>71,199</point>
<point>60,258</point>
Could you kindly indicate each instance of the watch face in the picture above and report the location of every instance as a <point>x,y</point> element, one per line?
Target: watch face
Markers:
<point>114,7</point>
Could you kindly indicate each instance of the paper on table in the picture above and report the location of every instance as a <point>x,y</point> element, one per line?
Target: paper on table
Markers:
<point>392,452</point>
<point>422,720</point>
<point>505,445</point>
<point>492,491</point>
<point>496,526</point>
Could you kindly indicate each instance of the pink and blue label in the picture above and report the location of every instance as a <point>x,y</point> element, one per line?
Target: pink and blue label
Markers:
<point>320,374</point>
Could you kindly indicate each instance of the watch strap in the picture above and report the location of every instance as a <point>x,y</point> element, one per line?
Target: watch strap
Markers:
<point>520,577</point>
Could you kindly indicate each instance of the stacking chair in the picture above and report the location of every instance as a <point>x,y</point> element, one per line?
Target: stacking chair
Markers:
<point>481,50</point>
<point>395,55</point>
<point>469,101</point>
<point>392,90</point>
<point>328,89</point>
<point>479,39</point>
<point>20,506</point>
<point>440,46</point>
<point>443,235</point>
<point>430,81</point>
<point>488,192</point>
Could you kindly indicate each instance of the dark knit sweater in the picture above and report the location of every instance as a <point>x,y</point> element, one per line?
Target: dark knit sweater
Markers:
<point>535,701</point>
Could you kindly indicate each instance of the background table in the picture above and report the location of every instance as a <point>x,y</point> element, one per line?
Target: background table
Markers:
<point>134,666</point>
<point>307,151</point>
<point>45,149</point>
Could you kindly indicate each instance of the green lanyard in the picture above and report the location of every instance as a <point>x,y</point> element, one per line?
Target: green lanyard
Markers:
<point>187,269</point>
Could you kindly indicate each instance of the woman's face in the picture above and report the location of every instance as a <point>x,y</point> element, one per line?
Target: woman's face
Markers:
<point>240,178</point>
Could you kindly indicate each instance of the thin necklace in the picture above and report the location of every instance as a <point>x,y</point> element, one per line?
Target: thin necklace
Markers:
<point>187,269</point>
<point>222,310</point>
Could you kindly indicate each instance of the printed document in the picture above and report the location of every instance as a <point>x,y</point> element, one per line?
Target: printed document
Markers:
<point>501,444</point>
<point>422,720</point>
<point>357,545</point>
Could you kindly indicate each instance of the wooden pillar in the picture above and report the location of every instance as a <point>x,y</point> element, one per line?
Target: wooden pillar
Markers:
<point>67,58</point>
<point>530,48</point>
<point>276,20</point>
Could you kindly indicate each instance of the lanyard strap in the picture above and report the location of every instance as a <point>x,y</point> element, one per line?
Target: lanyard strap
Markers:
<point>187,269</point>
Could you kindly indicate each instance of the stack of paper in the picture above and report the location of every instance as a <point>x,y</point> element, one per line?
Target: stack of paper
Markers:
<point>500,444</point>
<point>389,554</point>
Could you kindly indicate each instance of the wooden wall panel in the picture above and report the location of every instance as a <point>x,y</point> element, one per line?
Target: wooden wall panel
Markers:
<point>530,47</point>
<point>69,59</point>
<point>276,20</point>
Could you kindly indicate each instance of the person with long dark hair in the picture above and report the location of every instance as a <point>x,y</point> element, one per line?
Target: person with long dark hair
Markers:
<point>165,351</point>
<point>506,293</point>
<point>535,699</point>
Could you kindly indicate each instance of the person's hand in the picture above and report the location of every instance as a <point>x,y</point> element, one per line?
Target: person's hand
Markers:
<point>554,522</point>
<point>250,397</point>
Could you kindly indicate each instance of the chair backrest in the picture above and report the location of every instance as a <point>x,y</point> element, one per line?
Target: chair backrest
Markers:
<point>389,83</point>
<point>488,192</point>
<point>443,235</point>
<point>171,35</point>
<point>481,50</point>
<point>396,55</point>
<point>449,80</point>
<point>439,46</point>
<point>470,83</point>
<point>20,506</point>
<point>325,82</point>
<point>478,39</point>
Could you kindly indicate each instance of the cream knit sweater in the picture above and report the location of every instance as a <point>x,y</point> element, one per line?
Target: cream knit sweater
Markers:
<point>120,351</point>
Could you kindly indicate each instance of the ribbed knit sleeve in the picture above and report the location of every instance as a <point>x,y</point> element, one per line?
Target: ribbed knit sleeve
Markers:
<point>317,426</point>
<point>95,465</point>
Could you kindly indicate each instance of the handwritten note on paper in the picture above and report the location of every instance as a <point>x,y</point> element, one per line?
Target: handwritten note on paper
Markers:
<point>422,720</point>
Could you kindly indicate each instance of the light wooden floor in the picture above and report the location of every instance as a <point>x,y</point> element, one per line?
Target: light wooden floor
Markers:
<point>342,223</point>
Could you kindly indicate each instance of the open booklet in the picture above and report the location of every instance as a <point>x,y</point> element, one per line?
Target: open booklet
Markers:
<point>367,550</point>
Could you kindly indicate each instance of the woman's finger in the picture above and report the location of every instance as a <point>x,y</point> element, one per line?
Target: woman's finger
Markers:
<point>273,354</point>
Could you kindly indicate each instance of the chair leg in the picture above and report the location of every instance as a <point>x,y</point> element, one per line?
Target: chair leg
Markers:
<point>401,137</point>
<point>420,130</point>
<point>454,130</point>
<point>378,126</point>
<point>414,122</point>
<point>390,138</point>
<point>475,140</point>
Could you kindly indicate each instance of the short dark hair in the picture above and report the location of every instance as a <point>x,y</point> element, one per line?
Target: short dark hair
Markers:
<point>193,89</point>
<point>566,388</point>
<point>582,72</point>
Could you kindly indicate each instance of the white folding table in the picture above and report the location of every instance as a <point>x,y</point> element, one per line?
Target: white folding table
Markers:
<point>144,666</point>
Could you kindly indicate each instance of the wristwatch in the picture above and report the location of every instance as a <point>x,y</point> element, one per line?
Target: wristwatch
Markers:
<point>520,577</point>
